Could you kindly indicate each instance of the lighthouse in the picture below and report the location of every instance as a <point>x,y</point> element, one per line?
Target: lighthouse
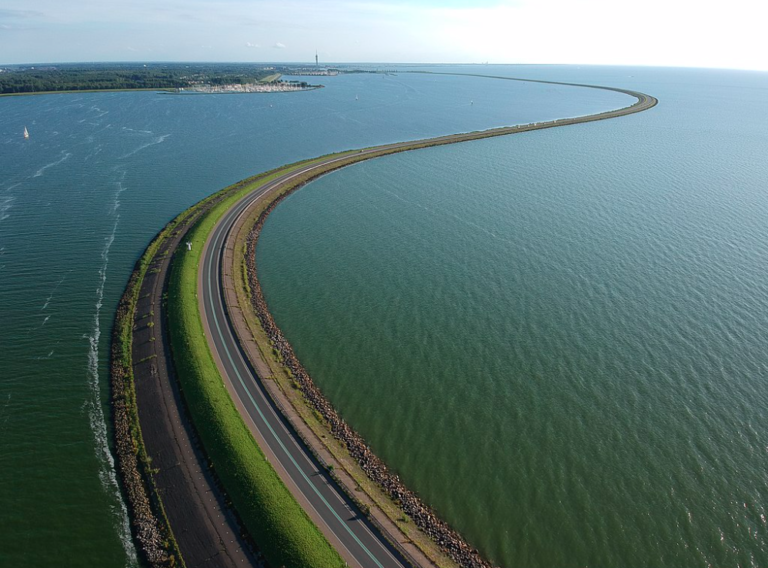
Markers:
<point>317,61</point>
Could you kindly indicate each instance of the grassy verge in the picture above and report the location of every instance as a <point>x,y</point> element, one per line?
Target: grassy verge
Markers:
<point>150,526</point>
<point>274,519</point>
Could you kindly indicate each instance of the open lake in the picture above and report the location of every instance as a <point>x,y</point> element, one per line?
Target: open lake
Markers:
<point>557,338</point>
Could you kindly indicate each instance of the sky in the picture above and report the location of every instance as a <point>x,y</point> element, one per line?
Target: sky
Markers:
<point>685,33</point>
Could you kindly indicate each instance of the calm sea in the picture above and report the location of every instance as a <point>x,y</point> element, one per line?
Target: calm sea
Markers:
<point>562,329</point>
<point>559,338</point>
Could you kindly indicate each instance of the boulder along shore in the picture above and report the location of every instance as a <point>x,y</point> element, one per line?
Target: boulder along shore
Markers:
<point>150,532</point>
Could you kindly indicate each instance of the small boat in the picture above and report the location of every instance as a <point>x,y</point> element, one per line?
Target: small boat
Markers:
<point>26,132</point>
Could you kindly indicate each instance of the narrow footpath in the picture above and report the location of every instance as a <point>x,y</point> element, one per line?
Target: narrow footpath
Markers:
<point>205,528</point>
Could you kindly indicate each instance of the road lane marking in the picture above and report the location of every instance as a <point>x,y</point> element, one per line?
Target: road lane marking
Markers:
<point>261,414</point>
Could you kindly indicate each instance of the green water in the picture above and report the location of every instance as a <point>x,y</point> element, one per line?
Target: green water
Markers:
<point>79,201</point>
<point>558,339</point>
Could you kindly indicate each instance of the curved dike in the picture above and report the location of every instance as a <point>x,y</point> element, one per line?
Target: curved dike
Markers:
<point>358,540</point>
<point>423,517</point>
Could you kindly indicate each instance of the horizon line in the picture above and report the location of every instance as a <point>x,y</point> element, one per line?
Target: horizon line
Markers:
<point>371,63</point>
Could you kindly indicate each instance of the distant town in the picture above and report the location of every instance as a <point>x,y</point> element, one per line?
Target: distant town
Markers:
<point>274,86</point>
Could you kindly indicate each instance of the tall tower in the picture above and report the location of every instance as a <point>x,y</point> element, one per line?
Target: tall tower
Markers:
<point>317,61</point>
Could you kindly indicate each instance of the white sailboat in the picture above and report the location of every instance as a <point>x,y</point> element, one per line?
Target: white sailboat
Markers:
<point>26,132</point>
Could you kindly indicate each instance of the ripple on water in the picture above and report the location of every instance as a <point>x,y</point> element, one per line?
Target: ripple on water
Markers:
<point>562,331</point>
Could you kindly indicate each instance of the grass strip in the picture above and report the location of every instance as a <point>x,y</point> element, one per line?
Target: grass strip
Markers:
<point>149,523</point>
<point>273,517</point>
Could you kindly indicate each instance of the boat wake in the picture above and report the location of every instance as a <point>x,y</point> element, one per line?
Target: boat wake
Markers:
<point>64,158</point>
<point>6,202</point>
<point>50,296</point>
<point>157,140</point>
<point>99,112</point>
<point>94,406</point>
<point>46,357</point>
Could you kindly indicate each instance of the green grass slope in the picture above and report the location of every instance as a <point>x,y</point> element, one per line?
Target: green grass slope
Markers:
<point>272,516</point>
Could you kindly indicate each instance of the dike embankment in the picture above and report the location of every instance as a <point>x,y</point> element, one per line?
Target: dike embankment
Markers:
<point>149,526</point>
<point>179,513</point>
<point>410,506</point>
<point>156,514</point>
<point>149,523</point>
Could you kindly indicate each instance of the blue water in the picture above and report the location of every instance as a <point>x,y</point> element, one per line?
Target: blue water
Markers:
<point>79,201</point>
<point>563,331</point>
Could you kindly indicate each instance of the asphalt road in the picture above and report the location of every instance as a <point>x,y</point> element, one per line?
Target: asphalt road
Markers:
<point>361,544</point>
<point>346,528</point>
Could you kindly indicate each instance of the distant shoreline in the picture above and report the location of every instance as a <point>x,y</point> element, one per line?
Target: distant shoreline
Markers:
<point>108,77</point>
<point>157,89</point>
<point>171,91</point>
<point>186,92</point>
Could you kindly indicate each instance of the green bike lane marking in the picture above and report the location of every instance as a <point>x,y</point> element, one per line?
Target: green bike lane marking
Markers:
<point>261,414</point>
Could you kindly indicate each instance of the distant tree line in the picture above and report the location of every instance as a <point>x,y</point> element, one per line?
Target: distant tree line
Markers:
<point>126,76</point>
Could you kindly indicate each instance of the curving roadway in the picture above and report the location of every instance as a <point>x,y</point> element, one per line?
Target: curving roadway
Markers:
<point>359,543</point>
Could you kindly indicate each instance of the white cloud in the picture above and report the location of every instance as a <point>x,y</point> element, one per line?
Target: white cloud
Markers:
<point>249,44</point>
<point>279,45</point>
